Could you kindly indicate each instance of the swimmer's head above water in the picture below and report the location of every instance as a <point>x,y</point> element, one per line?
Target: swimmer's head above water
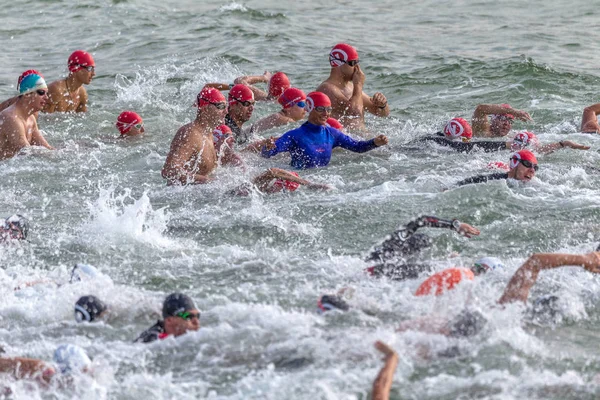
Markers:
<point>15,227</point>
<point>458,128</point>
<point>523,165</point>
<point>318,107</point>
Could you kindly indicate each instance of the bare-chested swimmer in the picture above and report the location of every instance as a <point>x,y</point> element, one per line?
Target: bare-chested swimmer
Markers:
<point>18,124</point>
<point>69,95</point>
<point>192,156</point>
<point>345,89</point>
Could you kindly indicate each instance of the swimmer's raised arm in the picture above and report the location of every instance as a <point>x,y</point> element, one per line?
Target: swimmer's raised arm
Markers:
<point>383,383</point>
<point>352,106</point>
<point>523,280</point>
<point>219,86</point>
<point>589,120</point>
<point>480,122</point>
<point>251,80</point>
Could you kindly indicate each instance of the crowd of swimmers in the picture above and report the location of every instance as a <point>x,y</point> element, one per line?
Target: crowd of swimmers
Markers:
<point>220,134</point>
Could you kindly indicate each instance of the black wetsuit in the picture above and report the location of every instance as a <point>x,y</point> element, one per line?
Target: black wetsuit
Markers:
<point>484,178</point>
<point>239,136</point>
<point>155,332</point>
<point>462,147</point>
<point>392,255</point>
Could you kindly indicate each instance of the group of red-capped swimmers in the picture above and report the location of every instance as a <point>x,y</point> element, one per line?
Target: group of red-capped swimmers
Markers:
<point>221,130</point>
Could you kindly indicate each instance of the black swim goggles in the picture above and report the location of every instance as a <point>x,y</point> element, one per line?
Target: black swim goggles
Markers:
<point>244,103</point>
<point>351,63</point>
<point>529,164</point>
<point>220,106</point>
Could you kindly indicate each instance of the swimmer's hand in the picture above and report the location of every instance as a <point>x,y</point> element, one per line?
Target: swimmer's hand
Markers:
<point>592,262</point>
<point>269,144</point>
<point>573,145</point>
<point>267,75</point>
<point>379,100</point>
<point>522,115</point>
<point>468,230</point>
<point>380,140</point>
<point>358,78</point>
<point>387,351</point>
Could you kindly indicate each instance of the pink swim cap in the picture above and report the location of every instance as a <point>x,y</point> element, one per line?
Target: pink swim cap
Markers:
<point>317,99</point>
<point>278,83</point>
<point>458,128</point>
<point>341,53</point>
<point>126,120</point>
<point>80,59</point>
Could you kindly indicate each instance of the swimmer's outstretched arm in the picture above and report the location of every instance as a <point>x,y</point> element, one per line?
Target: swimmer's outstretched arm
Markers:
<point>257,146</point>
<point>549,148</point>
<point>589,120</point>
<point>383,383</point>
<point>394,242</point>
<point>20,368</point>
<point>523,280</point>
<point>277,173</point>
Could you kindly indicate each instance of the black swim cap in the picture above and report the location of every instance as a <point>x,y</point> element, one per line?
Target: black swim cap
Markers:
<point>467,323</point>
<point>176,303</point>
<point>331,302</point>
<point>17,223</point>
<point>88,308</point>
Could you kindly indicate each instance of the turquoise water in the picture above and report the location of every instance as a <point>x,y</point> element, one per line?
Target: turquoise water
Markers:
<point>256,266</point>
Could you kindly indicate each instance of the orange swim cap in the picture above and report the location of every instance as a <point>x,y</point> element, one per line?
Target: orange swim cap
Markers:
<point>444,280</point>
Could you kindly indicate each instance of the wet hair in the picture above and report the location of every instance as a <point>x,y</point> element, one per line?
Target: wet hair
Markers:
<point>467,323</point>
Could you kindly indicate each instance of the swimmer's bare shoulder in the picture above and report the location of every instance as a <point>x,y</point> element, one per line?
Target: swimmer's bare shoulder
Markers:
<point>57,91</point>
<point>83,99</point>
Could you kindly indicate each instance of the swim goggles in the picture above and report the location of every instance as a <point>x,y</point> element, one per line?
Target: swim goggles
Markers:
<point>188,315</point>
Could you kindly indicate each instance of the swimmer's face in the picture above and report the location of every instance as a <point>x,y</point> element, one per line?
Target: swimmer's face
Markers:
<point>297,113</point>
<point>522,173</point>
<point>86,74</point>
<point>240,111</point>
<point>347,71</point>
<point>38,99</point>
<point>213,114</point>
<point>319,115</point>
<point>501,125</point>
<point>177,326</point>
<point>136,130</point>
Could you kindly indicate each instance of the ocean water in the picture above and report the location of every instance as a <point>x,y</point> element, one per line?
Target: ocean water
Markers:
<point>256,266</point>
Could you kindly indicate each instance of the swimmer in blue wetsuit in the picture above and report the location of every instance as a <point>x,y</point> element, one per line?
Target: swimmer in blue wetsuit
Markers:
<point>310,145</point>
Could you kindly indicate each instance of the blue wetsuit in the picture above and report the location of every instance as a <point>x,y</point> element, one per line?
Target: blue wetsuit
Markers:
<point>310,145</point>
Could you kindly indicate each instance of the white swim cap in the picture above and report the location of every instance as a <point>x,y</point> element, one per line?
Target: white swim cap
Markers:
<point>70,358</point>
<point>83,272</point>
<point>488,264</point>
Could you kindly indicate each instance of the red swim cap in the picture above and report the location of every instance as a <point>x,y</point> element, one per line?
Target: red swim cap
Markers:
<point>334,123</point>
<point>277,84</point>
<point>522,155</point>
<point>221,131</point>
<point>458,128</point>
<point>317,99</point>
<point>80,59</point>
<point>289,185</point>
<point>290,97</point>
<point>208,96</point>
<point>240,93</point>
<point>524,139</point>
<point>27,73</point>
<point>341,53</point>
<point>126,120</point>
<point>505,115</point>
<point>444,280</point>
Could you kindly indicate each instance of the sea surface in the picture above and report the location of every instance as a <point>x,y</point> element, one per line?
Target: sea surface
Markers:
<point>256,266</point>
